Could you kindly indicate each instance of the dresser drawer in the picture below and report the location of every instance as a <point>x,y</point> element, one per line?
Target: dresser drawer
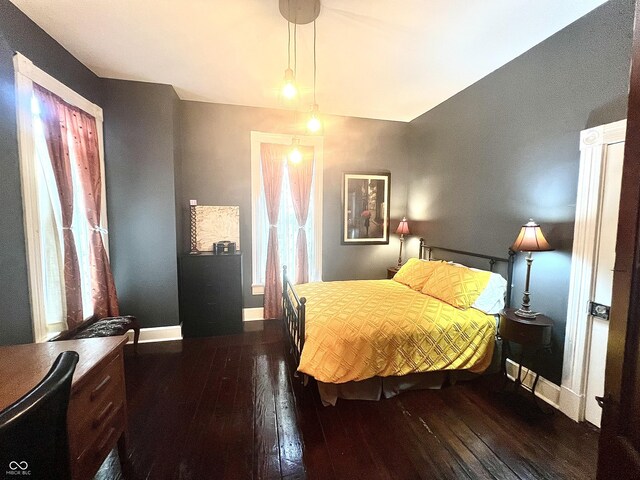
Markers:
<point>86,465</point>
<point>93,406</point>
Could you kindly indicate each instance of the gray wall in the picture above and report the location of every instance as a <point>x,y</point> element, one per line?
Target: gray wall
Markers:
<point>177,171</point>
<point>18,33</point>
<point>506,149</point>
<point>140,147</point>
<point>216,170</point>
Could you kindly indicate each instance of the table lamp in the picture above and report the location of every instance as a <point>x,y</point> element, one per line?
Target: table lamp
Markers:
<point>530,239</point>
<point>402,230</point>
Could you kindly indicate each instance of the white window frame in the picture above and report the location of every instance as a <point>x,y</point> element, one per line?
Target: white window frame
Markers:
<point>26,74</point>
<point>257,138</point>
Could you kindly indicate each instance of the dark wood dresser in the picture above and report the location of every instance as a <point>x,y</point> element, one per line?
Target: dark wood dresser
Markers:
<point>210,294</point>
<point>97,415</point>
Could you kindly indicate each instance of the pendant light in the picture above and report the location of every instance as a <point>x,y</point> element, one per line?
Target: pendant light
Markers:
<point>314,124</point>
<point>299,12</point>
<point>289,87</point>
<point>295,155</point>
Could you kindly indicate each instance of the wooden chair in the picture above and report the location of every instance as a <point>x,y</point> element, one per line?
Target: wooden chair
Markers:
<point>33,430</point>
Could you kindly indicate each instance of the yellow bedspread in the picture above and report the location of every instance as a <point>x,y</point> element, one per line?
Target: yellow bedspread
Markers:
<point>360,329</point>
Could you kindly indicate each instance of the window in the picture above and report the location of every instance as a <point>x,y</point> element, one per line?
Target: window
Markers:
<point>42,205</point>
<point>287,222</point>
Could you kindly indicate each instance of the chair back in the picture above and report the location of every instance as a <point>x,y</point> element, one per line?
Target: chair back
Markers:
<point>33,430</point>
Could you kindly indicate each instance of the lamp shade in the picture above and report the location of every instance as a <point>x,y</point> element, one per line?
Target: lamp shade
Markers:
<point>403,227</point>
<point>531,239</point>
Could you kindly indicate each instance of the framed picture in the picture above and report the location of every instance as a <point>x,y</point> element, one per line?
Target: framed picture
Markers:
<point>365,208</point>
<point>212,224</point>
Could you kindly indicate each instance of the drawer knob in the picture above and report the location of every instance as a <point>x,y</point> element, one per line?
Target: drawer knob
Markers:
<point>102,415</point>
<point>96,391</point>
<point>105,442</point>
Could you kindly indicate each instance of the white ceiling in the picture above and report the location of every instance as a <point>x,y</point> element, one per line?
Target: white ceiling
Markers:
<point>384,59</point>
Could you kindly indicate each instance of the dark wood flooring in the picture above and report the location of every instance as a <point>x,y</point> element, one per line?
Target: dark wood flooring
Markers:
<point>229,408</point>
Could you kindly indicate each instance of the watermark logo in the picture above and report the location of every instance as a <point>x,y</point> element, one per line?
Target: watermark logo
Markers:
<point>18,468</point>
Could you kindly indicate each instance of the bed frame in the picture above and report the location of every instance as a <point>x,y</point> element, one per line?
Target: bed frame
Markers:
<point>294,307</point>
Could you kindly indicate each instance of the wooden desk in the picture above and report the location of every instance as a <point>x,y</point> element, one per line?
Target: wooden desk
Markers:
<point>97,416</point>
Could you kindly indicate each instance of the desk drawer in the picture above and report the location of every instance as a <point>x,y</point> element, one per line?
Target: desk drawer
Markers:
<point>94,405</point>
<point>86,465</point>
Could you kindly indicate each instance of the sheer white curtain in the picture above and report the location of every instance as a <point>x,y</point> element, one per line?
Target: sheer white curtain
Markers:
<point>51,243</point>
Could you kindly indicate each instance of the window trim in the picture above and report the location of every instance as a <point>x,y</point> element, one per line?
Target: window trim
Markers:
<point>26,74</point>
<point>317,143</point>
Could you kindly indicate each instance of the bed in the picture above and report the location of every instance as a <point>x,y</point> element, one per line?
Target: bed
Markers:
<point>368,339</point>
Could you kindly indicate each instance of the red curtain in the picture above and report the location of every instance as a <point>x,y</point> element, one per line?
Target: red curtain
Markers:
<point>59,118</point>
<point>272,159</point>
<point>55,130</point>
<point>103,289</point>
<point>300,177</point>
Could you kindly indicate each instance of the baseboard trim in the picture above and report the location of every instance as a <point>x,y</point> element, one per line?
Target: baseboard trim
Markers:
<point>546,390</point>
<point>571,404</point>
<point>252,314</point>
<point>157,334</point>
<point>174,332</point>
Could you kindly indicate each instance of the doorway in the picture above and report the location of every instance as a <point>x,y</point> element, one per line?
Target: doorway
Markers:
<point>593,258</point>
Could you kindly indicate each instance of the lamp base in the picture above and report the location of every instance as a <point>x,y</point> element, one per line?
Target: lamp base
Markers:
<point>525,313</point>
<point>400,255</point>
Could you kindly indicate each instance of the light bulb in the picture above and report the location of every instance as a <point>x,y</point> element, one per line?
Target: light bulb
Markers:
<point>314,125</point>
<point>295,156</point>
<point>289,89</point>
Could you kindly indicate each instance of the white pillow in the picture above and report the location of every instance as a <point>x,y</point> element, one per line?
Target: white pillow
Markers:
<point>491,300</point>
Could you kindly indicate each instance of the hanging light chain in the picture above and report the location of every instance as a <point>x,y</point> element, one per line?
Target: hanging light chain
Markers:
<point>314,124</point>
<point>295,47</point>
<point>314,62</point>
<point>288,44</point>
<point>289,90</point>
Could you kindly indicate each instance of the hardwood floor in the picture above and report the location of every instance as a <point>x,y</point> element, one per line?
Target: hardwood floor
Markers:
<point>229,408</point>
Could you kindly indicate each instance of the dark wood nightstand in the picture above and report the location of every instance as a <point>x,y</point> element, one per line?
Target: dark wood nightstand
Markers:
<point>391,271</point>
<point>534,335</point>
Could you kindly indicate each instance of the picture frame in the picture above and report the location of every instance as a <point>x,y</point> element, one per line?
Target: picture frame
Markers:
<point>211,224</point>
<point>365,208</point>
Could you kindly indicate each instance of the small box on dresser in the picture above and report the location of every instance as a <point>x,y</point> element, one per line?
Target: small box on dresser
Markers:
<point>211,294</point>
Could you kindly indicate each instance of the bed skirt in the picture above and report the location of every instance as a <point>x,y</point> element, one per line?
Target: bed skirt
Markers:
<point>386,387</point>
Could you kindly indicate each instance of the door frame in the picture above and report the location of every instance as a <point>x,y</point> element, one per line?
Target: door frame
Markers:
<point>593,149</point>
